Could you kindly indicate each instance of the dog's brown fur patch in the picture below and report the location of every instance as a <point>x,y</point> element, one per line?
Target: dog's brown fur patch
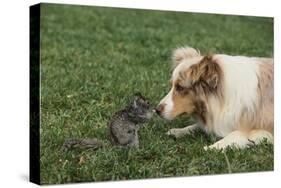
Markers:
<point>265,92</point>
<point>183,103</point>
<point>207,76</point>
<point>263,117</point>
<point>201,110</point>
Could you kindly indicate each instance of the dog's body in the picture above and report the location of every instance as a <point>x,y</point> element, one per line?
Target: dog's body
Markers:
<point>231,96</point>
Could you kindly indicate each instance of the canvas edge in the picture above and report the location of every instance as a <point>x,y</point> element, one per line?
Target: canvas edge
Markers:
<point>34,102</point>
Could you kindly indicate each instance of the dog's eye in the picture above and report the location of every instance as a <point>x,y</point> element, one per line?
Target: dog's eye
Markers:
<point>179,88</point>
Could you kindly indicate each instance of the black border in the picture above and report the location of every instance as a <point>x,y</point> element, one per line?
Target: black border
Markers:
<point>34,100</point>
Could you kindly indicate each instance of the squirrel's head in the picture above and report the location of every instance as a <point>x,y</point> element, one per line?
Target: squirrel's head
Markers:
<point>140,108</point>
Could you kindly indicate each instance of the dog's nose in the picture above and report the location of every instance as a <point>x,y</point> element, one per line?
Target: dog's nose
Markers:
<point>159,109</point>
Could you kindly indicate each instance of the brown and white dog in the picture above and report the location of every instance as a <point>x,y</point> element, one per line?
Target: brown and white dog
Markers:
<point>231,96</point>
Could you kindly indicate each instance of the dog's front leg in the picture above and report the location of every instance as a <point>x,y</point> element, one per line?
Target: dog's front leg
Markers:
<point>180,132</point>
<point>236,139</point>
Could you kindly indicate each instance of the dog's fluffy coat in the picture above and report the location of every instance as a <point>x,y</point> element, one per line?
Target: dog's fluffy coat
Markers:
<point>231,96</point>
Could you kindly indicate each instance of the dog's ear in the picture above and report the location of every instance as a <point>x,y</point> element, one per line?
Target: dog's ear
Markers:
<point>183,53</point>
<point>206,73</point>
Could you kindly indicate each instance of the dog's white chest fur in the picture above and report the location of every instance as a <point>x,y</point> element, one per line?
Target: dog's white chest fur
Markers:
<point>240,93</point>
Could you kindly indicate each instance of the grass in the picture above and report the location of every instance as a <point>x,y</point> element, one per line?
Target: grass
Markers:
<point>93,59</point>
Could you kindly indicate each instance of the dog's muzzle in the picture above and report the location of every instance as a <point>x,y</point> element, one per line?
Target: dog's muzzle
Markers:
<point>159,109</point>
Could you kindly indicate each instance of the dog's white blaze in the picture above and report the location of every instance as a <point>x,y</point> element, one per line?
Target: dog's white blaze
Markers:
<point>240,92</point>
<point>168,102</point>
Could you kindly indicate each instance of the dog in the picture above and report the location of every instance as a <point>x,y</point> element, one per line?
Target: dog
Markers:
<point>230,96</point>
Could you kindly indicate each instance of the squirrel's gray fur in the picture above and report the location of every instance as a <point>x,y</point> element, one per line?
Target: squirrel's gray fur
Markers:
<point>123,126</point>
<point>125,123</point>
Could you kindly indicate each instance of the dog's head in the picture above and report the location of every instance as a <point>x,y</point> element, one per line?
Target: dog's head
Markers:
<point>194,78</point>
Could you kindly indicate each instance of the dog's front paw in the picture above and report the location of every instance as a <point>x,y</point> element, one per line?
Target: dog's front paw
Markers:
<point>222,146</point>
<point>214,146</point>
<point>206,148</point>
<point>174,132</point>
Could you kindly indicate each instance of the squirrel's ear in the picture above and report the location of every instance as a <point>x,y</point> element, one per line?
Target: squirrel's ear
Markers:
<point>135,105</point>
<point>133,101</point>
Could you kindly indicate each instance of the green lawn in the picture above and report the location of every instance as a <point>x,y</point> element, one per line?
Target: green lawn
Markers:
<point>93,59</point>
